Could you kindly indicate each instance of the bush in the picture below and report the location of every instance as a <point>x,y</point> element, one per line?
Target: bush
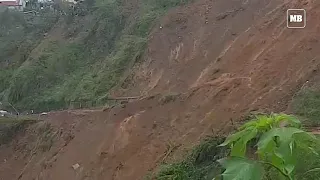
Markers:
<point>201,164</point>
<point>280,142</point>
<point>306,104</point>
<point>10,127</point>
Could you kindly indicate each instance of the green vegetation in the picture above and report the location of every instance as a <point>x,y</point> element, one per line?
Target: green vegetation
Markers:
<point>267,147</point>
<point>46,136</point>
<point>306,104</point>
<point>18,36</point>
<point>201,164</point>
<point>10,126</point>
<point>101,40</point>
<point>277,149</point>
<point>168,98</point>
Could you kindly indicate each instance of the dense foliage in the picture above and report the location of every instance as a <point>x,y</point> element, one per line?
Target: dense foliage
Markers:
<point>77,58</point>
<point>200,164</point>
<point>306,104</point>
<point>279,140</point>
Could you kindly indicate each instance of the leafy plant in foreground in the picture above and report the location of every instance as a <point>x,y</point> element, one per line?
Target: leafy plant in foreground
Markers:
<point>278,138</point>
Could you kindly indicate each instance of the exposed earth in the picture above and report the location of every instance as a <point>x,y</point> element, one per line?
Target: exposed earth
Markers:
<point>208,64</point>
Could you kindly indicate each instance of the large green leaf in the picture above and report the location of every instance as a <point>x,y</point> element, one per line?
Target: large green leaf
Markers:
<point>270,156</point>
<point>282,134</point>
<point>235,137</point>
<point>285,153</point>
<point>279,142</point>
<point>240,147</point>
<point>238,168</point>
<point>307,141</point>
<point>268,151</point>
<point>277,162</point>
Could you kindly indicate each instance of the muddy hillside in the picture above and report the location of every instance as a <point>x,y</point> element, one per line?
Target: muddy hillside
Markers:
<point>207,65</point>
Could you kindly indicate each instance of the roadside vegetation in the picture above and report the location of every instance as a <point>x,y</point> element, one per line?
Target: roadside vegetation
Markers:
<point>12,126</point>
<point>307,105</point>
<point>201,163</point>
<point>267,147</point>
<point>101,40</point>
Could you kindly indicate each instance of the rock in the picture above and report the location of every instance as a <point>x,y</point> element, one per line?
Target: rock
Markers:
<point>75,166</point>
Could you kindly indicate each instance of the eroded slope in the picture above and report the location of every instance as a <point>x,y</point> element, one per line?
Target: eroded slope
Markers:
<point>212,62</point>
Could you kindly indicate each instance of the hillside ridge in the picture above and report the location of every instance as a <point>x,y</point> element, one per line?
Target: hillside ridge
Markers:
<point>207,65</point>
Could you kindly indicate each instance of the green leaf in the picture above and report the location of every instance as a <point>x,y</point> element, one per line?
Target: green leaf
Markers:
<point>277,162</point>
<point>277,147</point>
<point>283,134</point>
<point>285,152</point>
<point>248,125</point>
<point>306,139</point>
<point>235,137</point>
<point>270,156</point>
<point>264,123</point>
<point>240,147</point>
<point>291,120</point>
<point>283,146</point>
<point>241,169</point>
<point>261,122</point>
<point>268,151</point>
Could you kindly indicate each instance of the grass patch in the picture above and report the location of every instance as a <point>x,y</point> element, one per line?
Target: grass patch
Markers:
<point>47,136</point>
<point>10,127</point>
<point>308,161</point>
<point>168,98</point>
<point>199,165</point>
<point>307,105</point>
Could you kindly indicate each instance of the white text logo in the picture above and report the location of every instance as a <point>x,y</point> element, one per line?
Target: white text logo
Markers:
<point>296,18</point>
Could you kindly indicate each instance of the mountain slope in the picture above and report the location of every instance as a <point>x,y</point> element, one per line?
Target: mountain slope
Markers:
<point>209,64</point>
<point>82,56</point>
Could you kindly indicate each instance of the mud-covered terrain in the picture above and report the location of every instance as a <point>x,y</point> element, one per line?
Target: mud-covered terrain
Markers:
<point>207,65</point>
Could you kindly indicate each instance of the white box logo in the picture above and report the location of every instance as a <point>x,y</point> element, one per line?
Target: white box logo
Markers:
<point>296,18</point>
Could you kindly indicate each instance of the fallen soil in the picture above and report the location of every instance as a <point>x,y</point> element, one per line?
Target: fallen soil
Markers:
<point>207,67</point>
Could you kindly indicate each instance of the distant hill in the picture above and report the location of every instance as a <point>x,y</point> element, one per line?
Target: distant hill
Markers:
<point>52,60</point>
